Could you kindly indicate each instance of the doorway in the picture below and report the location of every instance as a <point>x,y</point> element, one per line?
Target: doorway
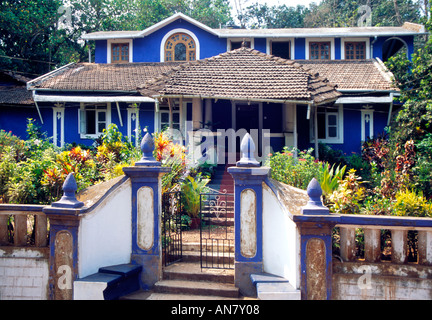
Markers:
<point>247,117</point>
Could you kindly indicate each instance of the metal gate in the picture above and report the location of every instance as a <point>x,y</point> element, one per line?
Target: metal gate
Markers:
<point>172,211</point>
<point>217,230</point>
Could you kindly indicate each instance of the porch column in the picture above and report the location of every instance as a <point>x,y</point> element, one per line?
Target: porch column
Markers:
<point>248,178</point>
<point>289,115</point>
<point>146,214</point>
<point>196,113</point>
<point>208,114</point>
<point>64,217</point>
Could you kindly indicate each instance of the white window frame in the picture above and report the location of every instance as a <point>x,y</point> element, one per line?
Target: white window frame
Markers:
<point>332,46</point>
<point>290,40</point>
<point>251,40</point>
<point>180,30</point>
<point>113,41</point>
<point>340,132</point>
<point>366,40</point>
<point>170,120</point>
<point>83,122</point>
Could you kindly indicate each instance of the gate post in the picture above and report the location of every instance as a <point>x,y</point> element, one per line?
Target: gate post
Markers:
<point>315,225</point>
<point>248,178</point>
<point>146,213</point>
<point>64,216</point>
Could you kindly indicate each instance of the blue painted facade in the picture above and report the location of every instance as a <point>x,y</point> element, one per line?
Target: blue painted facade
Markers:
<point>209,42</point>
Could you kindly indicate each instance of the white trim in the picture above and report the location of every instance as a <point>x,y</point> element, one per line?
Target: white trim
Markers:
<point>352,100</point>
<point>107,120</point>
<point>179,30</point>
<point>131,111</point>
<point>332,46</point>
<point>101,99</point>
<point>364,113</point>
<point>174,17</point>
<point>109,45</point>
<point>58,111</point>
<point>282,39</point>
<point>340,127</point>
<point>343,40</point>
<point>396,38</point>
<point>250,39</point>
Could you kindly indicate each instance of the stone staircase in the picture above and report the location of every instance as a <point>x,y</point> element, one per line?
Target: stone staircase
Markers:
<point>186,280</point>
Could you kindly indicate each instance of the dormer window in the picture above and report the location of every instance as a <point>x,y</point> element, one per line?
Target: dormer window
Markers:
<point>355,50</point>
<point>180,47</point>
<point>319,50</point>
<point>120,52</point>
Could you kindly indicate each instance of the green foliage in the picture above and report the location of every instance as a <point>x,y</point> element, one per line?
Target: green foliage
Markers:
<point>192,188</point>
<point>330,178</point>
<point>411,203</point>
<point>349,195</point>
<point>295,171</point>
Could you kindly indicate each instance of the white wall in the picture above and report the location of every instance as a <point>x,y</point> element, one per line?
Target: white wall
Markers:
<point>105,234</point>
<point>23,274</point>
<point>281,240</point>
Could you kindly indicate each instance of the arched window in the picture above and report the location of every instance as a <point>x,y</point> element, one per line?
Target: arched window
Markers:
<point>180,47</point>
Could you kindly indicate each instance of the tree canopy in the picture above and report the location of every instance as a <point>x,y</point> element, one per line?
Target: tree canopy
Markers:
<point>39,35</point>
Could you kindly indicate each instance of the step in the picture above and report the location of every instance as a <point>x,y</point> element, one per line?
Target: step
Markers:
<point>109,283</point>
<point>201,288</point>
<point>150,295</point>
<point>193,271</point>
<point>215,258</point>
<point>224,245</point>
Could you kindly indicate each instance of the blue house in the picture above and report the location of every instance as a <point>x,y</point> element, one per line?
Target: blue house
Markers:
<point>295,87</point>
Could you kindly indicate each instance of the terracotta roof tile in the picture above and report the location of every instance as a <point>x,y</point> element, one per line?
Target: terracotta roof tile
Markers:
<point>353,74</point>
<point>15,95</point>
<point>244,74</point>
<point>98,77</point>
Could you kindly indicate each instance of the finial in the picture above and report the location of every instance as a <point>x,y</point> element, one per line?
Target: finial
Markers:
<point>69,199</point>
<point>314,205</point>
<point>147,148</point>
<point>247,148</point>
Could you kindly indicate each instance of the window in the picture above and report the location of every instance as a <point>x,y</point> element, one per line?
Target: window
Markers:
<point>238,44</point>
<point>330,126</point>
<point>319,50</point>
<point>180,47</point>
<point>93,119</point>
<point>165,123</point>
<point>281,49</point>
<point>355,50</point>
<point>119,52</point>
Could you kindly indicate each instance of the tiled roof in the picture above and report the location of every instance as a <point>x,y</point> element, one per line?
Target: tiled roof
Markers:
<point>100,77</point>
<point>15,95</point>
<point>365,75</point>
<point>242,74</point>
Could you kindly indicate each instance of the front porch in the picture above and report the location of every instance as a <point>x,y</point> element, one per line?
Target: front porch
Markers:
<point>222,123</point>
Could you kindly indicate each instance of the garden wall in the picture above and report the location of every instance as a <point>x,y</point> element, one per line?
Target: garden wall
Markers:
<point>381,281</point>
<point>24,273</point>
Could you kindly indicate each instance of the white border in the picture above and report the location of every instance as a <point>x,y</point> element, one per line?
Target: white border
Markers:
<point>179,30</point>
<point>109,45</point>
<point>292,45</point>
<point>343,40</point>
<point>332,46</point>
<point>252,41</point>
